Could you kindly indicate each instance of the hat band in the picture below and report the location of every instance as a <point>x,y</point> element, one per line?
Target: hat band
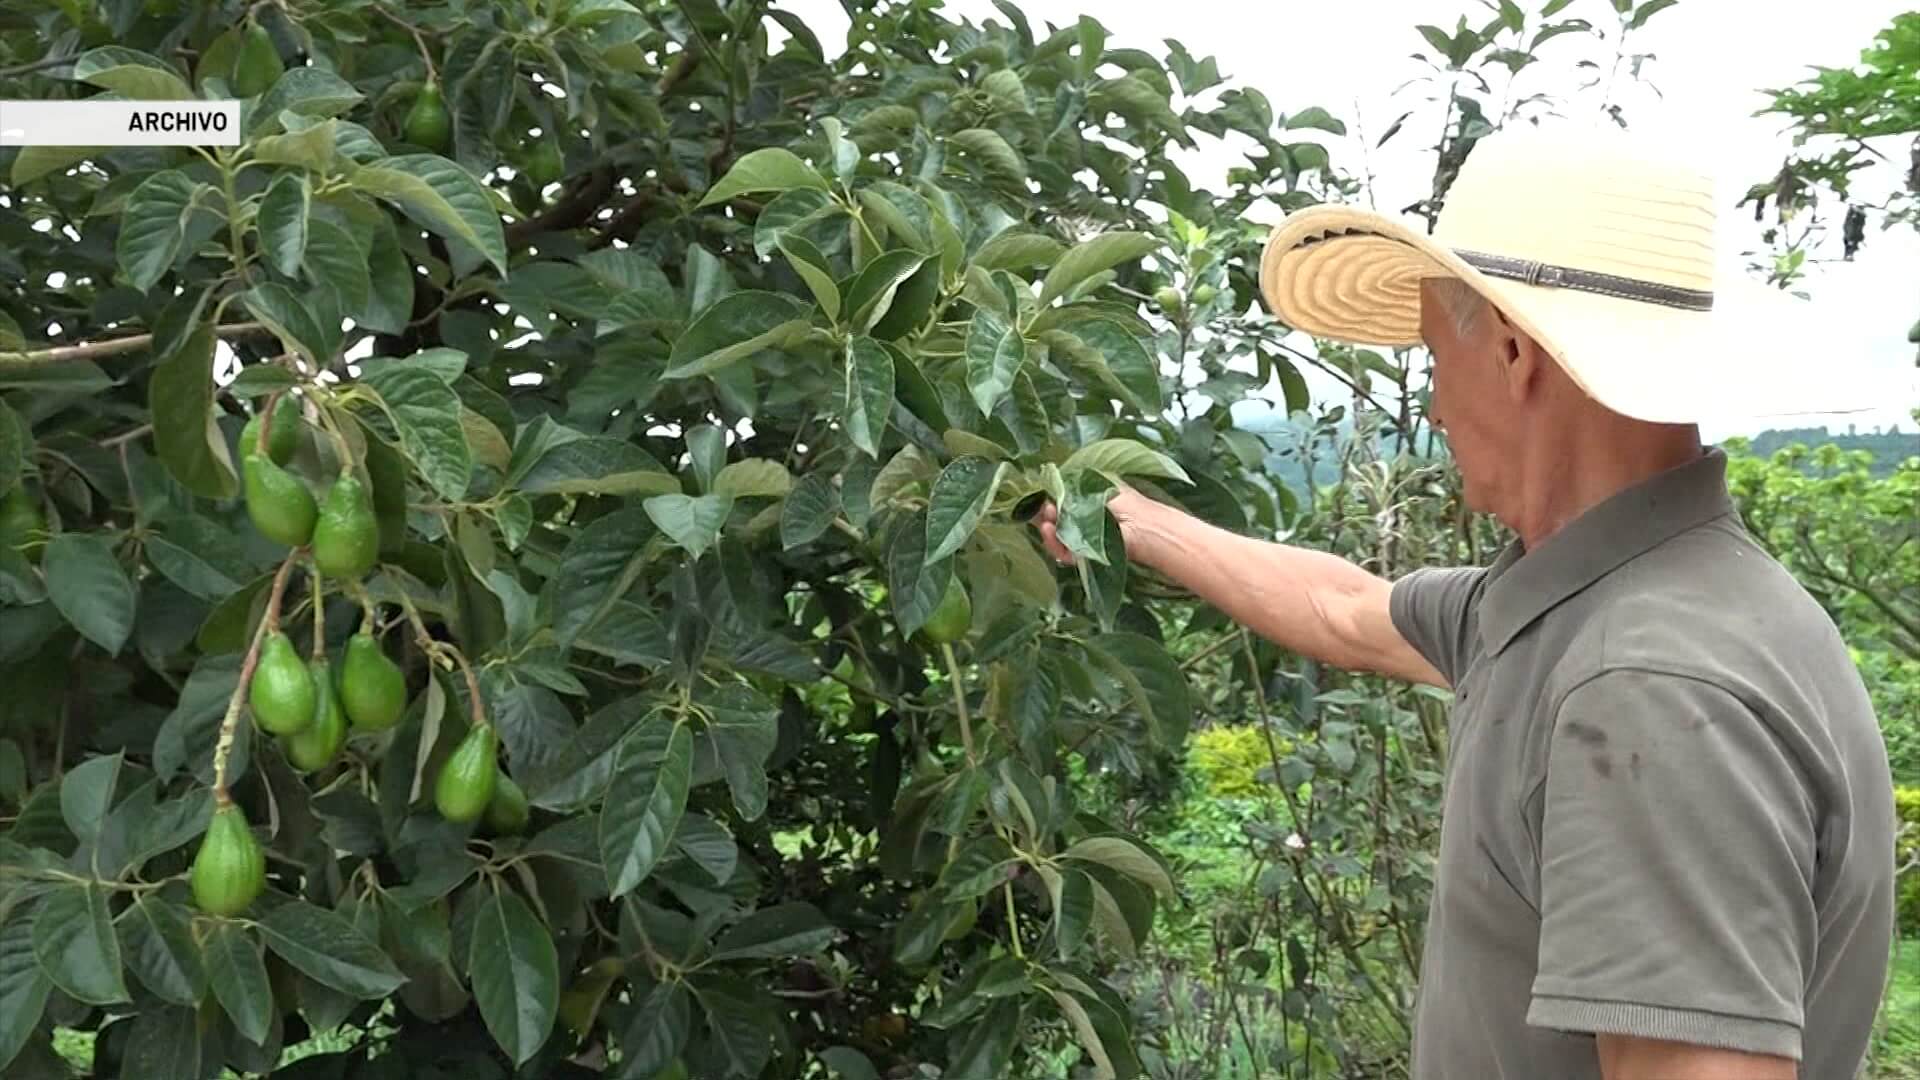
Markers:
<point>1567,277</point>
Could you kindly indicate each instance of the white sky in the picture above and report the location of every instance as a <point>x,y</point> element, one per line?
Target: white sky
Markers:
<point>1712,58</point>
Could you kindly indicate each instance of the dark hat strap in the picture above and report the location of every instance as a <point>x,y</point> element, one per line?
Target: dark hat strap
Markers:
<point>1566,277</point>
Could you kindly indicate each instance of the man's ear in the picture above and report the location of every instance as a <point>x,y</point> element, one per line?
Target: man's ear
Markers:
<point>1519,357</point>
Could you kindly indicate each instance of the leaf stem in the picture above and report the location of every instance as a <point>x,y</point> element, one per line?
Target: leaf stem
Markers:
<point>269,622</point>
<point>448,655</point>
<point>319,646</point>
<point>959,700</point>
<point>1013,922</point>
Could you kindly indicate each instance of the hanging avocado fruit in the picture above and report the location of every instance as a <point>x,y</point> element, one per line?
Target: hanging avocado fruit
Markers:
<point>282,695</point>
<point>230,869</point>
<point>313,747</point>
<point>544,164</point>
<point>346,540</point>
<point>259,66</point>
<point>373,690</point>
<point>466,782</point>
<point>949,621</point>
<point>279,505</point>
<point>507,810</point>
<point>21,520</point>
<point>282,439</point>
<point>427,123</point>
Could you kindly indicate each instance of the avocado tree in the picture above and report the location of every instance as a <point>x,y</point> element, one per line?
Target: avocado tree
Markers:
<point>520,563</point>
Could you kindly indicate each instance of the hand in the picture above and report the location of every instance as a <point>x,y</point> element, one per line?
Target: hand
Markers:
<point>1128,507</point>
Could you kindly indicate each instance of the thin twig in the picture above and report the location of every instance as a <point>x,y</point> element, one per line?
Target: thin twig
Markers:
<point>269,621</point>
<point>37,65</point>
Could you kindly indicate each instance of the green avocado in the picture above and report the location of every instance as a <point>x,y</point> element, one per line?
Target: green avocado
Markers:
<point>507,810</point>
<point>466,782</point>
<point>279,505</point>
<point>230,869</point>
<point>346,539</point>
<point>282,439</point>
<point>259,65</point>
<point>313,747</point>
<point>427,123</point>
<point>373,690</point>
<point>282,693</point>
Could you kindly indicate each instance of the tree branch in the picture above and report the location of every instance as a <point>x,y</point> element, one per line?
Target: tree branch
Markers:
<point>574,208</point>
<point>91,350</point>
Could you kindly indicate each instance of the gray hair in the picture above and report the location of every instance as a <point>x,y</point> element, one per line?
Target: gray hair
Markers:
<point>1462,302</point>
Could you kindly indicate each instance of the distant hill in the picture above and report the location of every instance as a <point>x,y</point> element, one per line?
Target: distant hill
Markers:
<point>1888,448</point>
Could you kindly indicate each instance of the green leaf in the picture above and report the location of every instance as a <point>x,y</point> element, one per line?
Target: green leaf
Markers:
<point>161,952</point>
<point>813,269</point>
<point>441,197</point>
<point>960,497</point>
<point>742,729</point>
<point>736,327</point>
<point>426,412</point>
<point>986,1048</point>
<point>1122,361</point>
<point>259,380</point>
<point>180,396</point>
<point>1090,257</point>
<point>1123,457</point>
<point>515,973</point>
<point>329,950</point>
<point>283,220</point>
<point>872,290</point>
<point>869,393</point>
<point>657,1035</point>
<point>809,510</point>
<point>1316,117</point>
<point>23,986</point>
<point>335,260</point>
<point>596,570</point>
<point>389,303</point>
<point>768,169</point>
<point>1158,686</point>
<point>693,522</point>
<point>995,354</point>
<point>131,74</point>
<point>293,321</point>
<point>313,148</point>
<point>754,478</point>
<point>597,465</point>
<point>711,847</point>
<point>914,585</point>
<point>164,1041</point>
<point>1128,857</point>
<point>997,159</point>
<point>167,213</point>
<point>798,212</point>
<point>86,794</point>
<point>74,941</point>
<point>304,91</point>
<point>89,588</point>
<point>645,799</point>
<point>848,1063</point>
<point>790,929</point>
<point>1018,249</point>
<point>239,978</point>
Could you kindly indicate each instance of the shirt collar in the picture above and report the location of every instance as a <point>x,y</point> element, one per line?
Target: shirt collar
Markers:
<point>1524,585</point>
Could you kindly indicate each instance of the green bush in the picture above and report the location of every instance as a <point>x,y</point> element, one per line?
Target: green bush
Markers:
<point>1893,681</point>
<point>1227,760</point>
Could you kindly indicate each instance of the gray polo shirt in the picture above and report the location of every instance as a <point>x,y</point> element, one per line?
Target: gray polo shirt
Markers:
<point>1668,809</point>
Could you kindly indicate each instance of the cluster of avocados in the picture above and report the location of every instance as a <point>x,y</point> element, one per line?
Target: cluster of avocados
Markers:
<point>311,706</point>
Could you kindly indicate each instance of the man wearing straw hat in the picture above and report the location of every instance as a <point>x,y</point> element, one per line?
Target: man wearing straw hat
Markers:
<point>1667,836</point>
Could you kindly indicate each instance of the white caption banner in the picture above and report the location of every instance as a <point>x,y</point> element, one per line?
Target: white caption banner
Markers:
<point>119,123</point>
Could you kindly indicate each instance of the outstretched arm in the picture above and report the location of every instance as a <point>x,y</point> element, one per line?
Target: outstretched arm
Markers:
<point>1307,601</point>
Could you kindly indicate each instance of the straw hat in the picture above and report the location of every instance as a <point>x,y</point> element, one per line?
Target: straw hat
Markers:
<point>1601,246</point>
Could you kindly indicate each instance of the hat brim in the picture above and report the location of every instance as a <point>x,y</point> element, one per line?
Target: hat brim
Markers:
<point>1352,275</point>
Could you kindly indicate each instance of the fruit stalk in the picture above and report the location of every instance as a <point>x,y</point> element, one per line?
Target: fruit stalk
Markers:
<point>266,423</point>
<point>440,651</point>
<point>269,622</point>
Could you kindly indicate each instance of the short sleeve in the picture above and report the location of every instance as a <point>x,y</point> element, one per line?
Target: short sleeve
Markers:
<point>1432,607</point>
<point>1677,844</point>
